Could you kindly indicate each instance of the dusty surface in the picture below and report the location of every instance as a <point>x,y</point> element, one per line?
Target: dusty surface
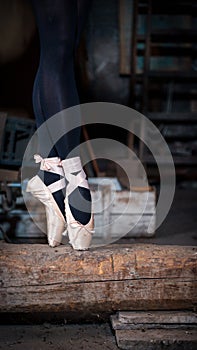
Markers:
<point>57,337</point>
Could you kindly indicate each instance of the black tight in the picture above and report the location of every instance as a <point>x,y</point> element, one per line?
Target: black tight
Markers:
<point>60,23</point>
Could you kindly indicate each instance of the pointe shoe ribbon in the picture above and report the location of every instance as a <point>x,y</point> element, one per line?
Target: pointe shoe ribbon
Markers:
<point>49,163</point>
<point>52,165</point>
<point>73,165</point>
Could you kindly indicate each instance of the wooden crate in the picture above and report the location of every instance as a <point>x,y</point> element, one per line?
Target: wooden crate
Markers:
<point>119,213</point>
<point>116,213</point>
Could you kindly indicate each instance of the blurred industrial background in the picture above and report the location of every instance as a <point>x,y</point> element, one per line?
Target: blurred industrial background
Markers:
<point>137,53</point>
<point>141,54</point>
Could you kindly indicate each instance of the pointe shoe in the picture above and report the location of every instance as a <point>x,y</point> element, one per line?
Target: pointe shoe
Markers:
<point>80,236</point>
<point>56,224</point>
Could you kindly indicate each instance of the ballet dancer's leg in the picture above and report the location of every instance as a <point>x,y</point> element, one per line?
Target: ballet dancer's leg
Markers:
<point>59,24</point>
<point>83,7</point>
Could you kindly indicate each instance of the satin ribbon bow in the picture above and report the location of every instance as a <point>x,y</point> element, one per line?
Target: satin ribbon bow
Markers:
<point>47,163</point>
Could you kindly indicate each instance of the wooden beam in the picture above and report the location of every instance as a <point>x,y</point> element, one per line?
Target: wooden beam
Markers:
<point>37,278</point>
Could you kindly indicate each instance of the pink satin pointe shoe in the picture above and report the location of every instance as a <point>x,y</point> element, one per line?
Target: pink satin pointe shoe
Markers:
<point>80,236</point>
<point>56,224</point>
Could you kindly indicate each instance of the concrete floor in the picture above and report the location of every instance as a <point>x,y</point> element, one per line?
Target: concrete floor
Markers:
<point>57,337</point>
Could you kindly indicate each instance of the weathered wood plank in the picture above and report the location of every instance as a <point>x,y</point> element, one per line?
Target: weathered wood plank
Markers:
<point>157,340</point>
<point>99,297</point>
<point>37,278</point>
<point>117,325</point>
<point>126,320</point>
<point>35,264</point>
<point>159,317</point>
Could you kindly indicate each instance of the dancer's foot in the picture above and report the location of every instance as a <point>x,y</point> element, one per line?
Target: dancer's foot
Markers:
<point>56,224</point>
<point>78,205</point>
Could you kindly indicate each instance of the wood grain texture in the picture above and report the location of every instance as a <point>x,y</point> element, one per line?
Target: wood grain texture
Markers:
<point>165,319</point>
<point>165,338</point>
<point>37,278</point>
<point>158,317</point>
